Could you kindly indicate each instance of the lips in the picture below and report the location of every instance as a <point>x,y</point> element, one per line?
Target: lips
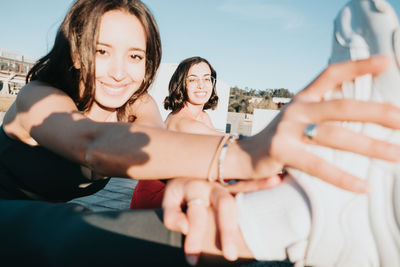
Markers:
<point>113,89</point>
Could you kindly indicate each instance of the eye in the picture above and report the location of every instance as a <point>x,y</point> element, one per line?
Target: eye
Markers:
<point>101,52</point>
<point>207,79</point>
<point>136,57</point>
<point>191,80</point>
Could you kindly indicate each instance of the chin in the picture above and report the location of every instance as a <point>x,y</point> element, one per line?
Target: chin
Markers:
<point>110,103</point>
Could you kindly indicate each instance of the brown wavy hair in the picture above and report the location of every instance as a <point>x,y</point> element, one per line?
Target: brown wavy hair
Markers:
<point>75,38</point>
<point>177,96</point>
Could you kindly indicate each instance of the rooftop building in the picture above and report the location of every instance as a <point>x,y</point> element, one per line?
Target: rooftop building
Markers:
<point>14,67</point>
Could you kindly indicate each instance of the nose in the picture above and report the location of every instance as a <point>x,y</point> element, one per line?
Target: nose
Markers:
<point>117,69</point>
<point>200,83</point>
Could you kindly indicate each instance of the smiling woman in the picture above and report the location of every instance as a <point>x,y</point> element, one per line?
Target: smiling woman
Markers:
<point>192,90</point>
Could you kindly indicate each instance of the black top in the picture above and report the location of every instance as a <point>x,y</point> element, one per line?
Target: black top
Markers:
<point>34,172</point>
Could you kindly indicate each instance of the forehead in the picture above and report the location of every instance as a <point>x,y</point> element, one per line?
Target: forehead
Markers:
<point>121,29</point>
<point>199,69</point>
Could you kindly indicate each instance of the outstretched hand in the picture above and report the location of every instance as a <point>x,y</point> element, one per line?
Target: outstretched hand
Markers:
<point>287,142</point>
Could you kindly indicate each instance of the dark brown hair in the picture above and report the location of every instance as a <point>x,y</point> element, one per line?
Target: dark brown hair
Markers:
<point>77,37</point>
<point>177,97</point>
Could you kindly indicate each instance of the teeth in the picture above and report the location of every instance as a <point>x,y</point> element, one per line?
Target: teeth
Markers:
<point>113,89</point>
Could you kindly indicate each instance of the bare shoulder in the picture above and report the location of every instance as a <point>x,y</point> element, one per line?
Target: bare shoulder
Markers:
<point>175,122</point>
<point>146,111</point>
<point>35,102</point>
<point>189,125</point>
<point>144,99</point>
<point>40,93</point>
<point>207,120</point>
<point>38,87</point>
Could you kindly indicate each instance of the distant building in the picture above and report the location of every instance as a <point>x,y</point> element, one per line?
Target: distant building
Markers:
<point>281,101</point>
<point>255,100</point>
<point>14,67</point>
<point>239,123</point>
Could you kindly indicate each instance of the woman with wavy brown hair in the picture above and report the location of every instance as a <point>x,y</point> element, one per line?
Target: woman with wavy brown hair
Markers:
<point>192,90</point>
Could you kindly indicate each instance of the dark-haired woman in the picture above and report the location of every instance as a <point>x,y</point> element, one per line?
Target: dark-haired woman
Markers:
<point>192,90</point>
<point>85,116</point>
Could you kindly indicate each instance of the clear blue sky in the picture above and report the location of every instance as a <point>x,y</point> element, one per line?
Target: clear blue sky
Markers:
<point>251,43</point>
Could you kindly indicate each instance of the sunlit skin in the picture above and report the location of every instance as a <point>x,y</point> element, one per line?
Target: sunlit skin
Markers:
<point>120,61</point>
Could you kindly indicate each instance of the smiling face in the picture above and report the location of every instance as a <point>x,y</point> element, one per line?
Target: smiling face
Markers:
<point>199,84</point>
<point>120,59</point>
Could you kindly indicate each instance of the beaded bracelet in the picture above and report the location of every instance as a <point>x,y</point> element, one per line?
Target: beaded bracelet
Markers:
<point>222,158</point>
<point>217,153</point>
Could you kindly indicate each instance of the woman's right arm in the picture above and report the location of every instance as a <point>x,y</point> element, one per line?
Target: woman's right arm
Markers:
<point>51,118</point>
<point>122,149</point>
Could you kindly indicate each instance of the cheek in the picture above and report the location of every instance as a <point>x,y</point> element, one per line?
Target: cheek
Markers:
<point>137,71</point>
<point>101,67</point>
<point>189,92</point>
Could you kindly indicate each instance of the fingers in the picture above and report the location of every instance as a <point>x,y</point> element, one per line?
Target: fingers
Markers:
<point>335,74</point>
<point>197,214</point>
<point>384,114</point>
<point>228,229</point>
<point>254,185</point>
<point>174,218</point>
<point>318,167</point>
<point>288,143</point>
<point>195,193</point>
<point>335,136</point>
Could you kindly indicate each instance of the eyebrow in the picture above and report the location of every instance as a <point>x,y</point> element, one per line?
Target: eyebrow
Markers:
<point>192,75</point>
<point>130,49</point>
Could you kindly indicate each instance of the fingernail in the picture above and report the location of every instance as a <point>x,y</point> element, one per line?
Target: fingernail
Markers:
<point>230,252</point>
<point>192,259</point>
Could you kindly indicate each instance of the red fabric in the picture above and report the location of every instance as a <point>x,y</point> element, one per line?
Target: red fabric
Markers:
<point>148,194</point>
